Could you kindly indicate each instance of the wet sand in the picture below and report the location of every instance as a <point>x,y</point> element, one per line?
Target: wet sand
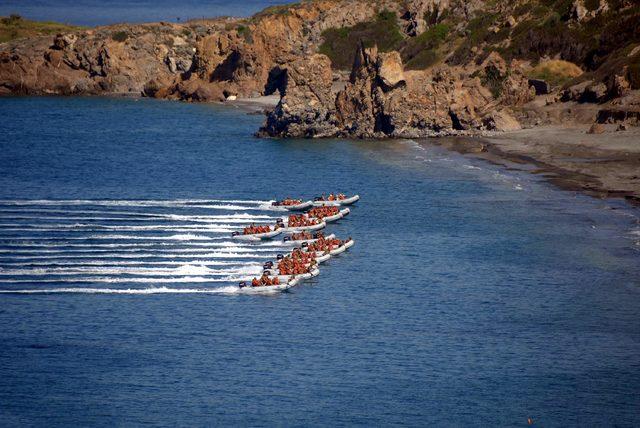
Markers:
<point>602,165</point>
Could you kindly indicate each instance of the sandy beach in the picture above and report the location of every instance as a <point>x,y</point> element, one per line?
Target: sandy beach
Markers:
<point>602,165</point>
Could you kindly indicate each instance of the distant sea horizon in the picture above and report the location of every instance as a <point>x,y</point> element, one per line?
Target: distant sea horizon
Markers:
<point>94,13</point>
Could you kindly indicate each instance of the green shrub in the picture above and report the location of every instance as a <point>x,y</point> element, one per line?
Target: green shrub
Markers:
<point>477,32</point>
<point>421,52</point>
<point>120,36</point>
<point>523,9</point>
<point>493,80</point>
<point>283,9</point>
<point>13,19</point>
<point>340,44</point>
<point>422,60</point>
<point>15,27</point>
<point>592,4</point>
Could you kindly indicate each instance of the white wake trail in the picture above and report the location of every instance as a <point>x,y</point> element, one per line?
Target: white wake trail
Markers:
<point>37,246</point>
<point>139,256</point>
<point>88,227</point>
<point>108,251</point>
<point>177,237</point>
<point>220,221</point>
<point>155,290</point>
<point>127,202</point>
<point>182,270</point>
<point>109,280</point>
<point>134,263</point>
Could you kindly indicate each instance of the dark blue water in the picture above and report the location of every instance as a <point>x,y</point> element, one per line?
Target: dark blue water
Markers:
<point>474,295</point>
<point>102,12</point>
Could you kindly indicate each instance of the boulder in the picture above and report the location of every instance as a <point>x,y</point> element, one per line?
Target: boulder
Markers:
<point>389,70</point>
<point>618,85</point>
<point>594,93</point>
<point>540,86</point>
<point>64,41</point>
<point>501,121</point>
<point>596,128</point>
<point>619,114</point>
<point>578,11</point>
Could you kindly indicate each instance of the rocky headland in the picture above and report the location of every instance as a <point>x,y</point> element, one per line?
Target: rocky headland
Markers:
<point>357,69</point>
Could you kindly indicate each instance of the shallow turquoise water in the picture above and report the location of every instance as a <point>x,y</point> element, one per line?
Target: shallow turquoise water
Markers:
<point>474,295</point>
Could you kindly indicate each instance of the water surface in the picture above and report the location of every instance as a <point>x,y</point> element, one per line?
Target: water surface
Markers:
<point>474,295</point>
<point>100,12</point>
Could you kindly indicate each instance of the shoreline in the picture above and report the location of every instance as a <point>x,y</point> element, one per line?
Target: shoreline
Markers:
<point>599,165</point>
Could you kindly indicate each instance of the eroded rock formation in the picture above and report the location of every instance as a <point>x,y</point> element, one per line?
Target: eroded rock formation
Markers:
<point>381,100</point>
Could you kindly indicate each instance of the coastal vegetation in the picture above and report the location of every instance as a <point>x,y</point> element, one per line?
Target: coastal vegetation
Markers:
<point>120,36</point>
<point>590,38</point>
<point>556,72</point>
<point>340,44</point>
<point>16,27</point>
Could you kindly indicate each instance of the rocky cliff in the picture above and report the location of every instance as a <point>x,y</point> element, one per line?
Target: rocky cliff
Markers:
<point>347,68</point>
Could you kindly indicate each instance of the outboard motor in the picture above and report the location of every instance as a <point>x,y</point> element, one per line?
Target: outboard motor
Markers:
<point>235,233</point>
<point>267,272</point>
<point>242,284</point>
<point>305,244</point>
<point>286,239</point>
<point>279,257</point>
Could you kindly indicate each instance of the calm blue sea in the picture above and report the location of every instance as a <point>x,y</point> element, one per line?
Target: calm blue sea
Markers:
<point>474,296</point>
<point>102,12</point>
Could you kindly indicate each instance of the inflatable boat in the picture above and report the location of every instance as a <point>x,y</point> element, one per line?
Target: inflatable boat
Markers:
<point>309,228</point>
<point>301,241</point>
<point>256,236</point>
<point>323,258</point>
<point>338,202</point>
<point>350,243</point>
<point>342,248</point>
<point>301,206</point>
<point>345,212</point>
<point>266,289</point>
<point>338,250</point>
<point>332,218</point>
<point>297,207</point>
<point>286,278</point>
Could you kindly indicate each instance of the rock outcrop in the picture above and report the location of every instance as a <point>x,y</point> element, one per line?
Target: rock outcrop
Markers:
<point>306,106</point>
<point>381,101</point>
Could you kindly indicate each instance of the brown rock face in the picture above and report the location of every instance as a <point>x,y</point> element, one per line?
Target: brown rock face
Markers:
<point>196,61</point>
<point>306,106</point>
<point>381,100</point>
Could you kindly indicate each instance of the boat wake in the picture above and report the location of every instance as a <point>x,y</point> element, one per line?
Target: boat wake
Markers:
<point>156,242</point>
<point>144,291</point>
